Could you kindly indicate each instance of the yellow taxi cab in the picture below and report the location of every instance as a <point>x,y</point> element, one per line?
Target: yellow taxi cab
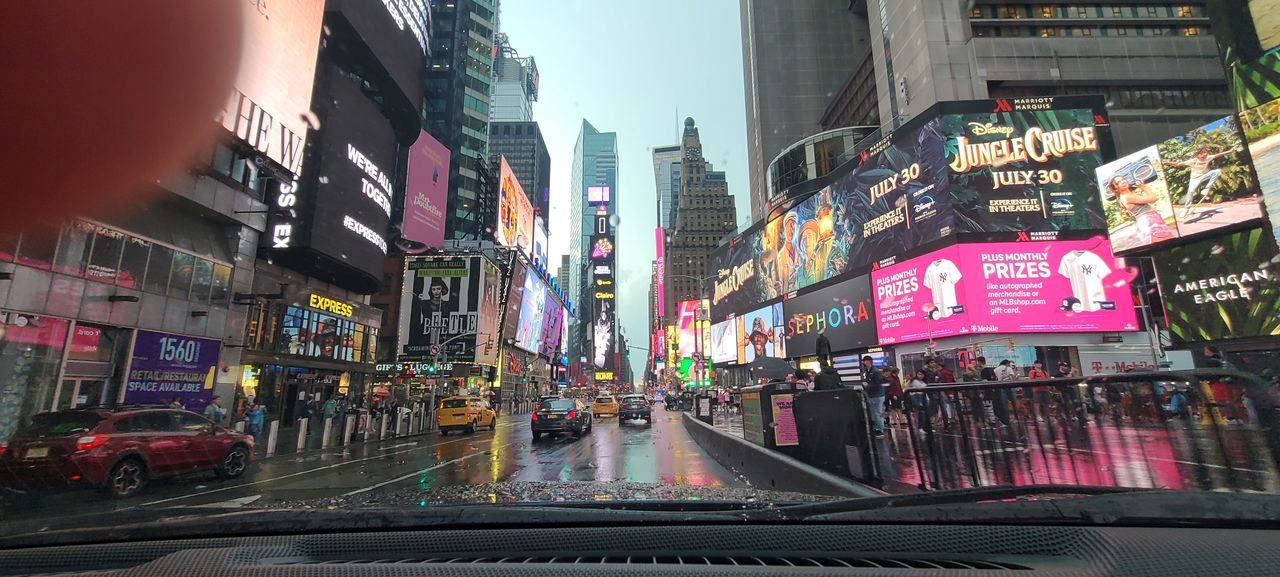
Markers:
<point>466,414</point>
<point>605,405</point>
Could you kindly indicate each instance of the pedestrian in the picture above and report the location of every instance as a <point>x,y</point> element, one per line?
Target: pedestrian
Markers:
<point>1213,358</point>
<point>1039,394</point>
<point>894,393</point>
<point>1037,370</point>
<point>824,348</point>
<point>985,373</point>
<point>329,409</point>
<point>946,375</point>
<point>214,411</point>
<point>915,388</point>
<point>828,379</point>
<point>176,403</point>
<point>1006,371</point>
<point>873,385</point>
<point>255,416</point>
<point>1065,370</point>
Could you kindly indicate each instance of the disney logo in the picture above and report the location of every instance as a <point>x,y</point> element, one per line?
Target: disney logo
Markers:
<point>985,128</point>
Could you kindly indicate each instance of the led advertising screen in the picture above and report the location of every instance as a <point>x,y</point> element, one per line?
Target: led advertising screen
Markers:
<point>440,301</point>
<point>342,206</point>
<point>532,313</point>
<point>724,342</point>
<point>1261,126</point>
<point>921,298</point>
<point>661,271</point>
<point>1221,288</point>
<point>1024,164</point>
<point>601,248</point>
<point>396,31</point>
<point>272,96</point>
<point>1248,33</point>
<point>597,194</point>
<point>761,333</point>
<point>488,339</point>
<point>426,192</point>
<point>1014,287</point>
<point>686,325</point>
<point>515,214</point>
<point>551,327</point>
<point>540,241</point>
<point>843,312</point>
<point>515,296</point>
<point>603,330</point>
<point>1183,187</point>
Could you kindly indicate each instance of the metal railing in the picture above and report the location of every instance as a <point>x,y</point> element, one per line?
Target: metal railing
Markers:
<point>1204,429</point>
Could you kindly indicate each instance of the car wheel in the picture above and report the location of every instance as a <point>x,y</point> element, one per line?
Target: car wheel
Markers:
<point>537,435</point>
<point>591,424</point>
<point>234,464</point>
<point>493,424</point>
<point>471,428</point>
<point>126,478</point>
<point>577,433</point>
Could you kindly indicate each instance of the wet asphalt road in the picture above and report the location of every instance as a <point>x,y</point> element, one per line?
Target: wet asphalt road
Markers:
<point>630,453</point>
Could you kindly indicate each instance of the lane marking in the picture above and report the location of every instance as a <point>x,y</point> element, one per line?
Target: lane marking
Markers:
<point>298,473</point>
<point>420,472</point>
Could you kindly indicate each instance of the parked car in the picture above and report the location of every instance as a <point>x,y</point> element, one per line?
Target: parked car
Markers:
<point>120,450</point>
<point>466,414</point>
<point>632,407</point>
<point>560,415</point>
<point>605,405</point>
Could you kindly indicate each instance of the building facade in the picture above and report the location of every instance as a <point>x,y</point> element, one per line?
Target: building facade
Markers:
<point>666,176</point>
<point>522,144</point>
<point>515,84</point>
<point>704,215</point>
<point>795,55</point>
<point>458,91</point>
<point>595,172</point>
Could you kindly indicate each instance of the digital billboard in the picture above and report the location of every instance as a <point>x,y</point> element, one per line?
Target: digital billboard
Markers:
<point>597,194</point>
<point>515,213</point>
<point>440,301</point>
<point>686,328</point>
<point>1191,184</point>
<point>426,192</point>
<point>342,206</point>
<point>661,271</point>
<point>1261,126</point>
<point>1024,164</point>
<point>532,313</point>
<point>488,339</point>
<point>1012,287</point>
<point>724,342</point>
<point>1221,288</point>
<point>843,312</point>
<point>552,326</point>
<point>604,328</point>
<point>761,333</point>
<point>601,247</point>
<point>540,247</point>
<point>272,97</point>
<point>396,32</point>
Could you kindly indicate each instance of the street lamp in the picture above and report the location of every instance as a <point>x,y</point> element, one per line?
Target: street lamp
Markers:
<point>697,340</point>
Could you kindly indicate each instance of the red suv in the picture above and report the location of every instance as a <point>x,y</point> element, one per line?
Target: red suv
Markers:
<point>119,450</point>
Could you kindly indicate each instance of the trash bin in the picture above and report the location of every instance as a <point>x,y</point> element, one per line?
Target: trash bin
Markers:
<point>703,409</point>
<point>768,419</point>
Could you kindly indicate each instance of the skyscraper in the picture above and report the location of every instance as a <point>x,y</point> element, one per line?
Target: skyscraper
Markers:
<point>458,89</point>
<point>515,84</point>
<point>595,171</point>
<point>526,152</point>
<point>705,214</point>
<point>795,54</point>
<point>666,174</point>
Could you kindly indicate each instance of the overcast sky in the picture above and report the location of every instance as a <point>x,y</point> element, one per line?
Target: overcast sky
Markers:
<point>628,66</point>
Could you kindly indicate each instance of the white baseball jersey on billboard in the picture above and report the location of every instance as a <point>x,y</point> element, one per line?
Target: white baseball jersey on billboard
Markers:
<point>941,277</point>
<point>1085,270</point>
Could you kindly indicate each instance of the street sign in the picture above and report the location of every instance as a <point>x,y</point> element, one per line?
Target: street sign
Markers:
<point>435,349</point>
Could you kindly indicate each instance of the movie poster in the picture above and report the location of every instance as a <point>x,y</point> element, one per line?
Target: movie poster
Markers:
<point>439,306</point>
<point>762,333</point>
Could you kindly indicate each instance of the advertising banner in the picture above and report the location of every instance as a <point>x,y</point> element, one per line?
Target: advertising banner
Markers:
<point>488,339</point>
<point>921,298</point>
<point>540,241</point>
<point>686,325</point>
<point>272,97</point>
<point>1221,288</point>
<point>515,296</point>
<point>167,367</point>
<point>733,288</point>
<point>440,308</point>
<point>1183,187</point>
<point>661,290</point>
<point>603,330</point>
<point>1261,126</point>
<point>784,420</point>
<point>532,313</point>
<point>515,213</point>
<point>761,333</point>
<point>724,342</point>
<point>1024,164</point>
<point>551,327</point>
<point>844,312</point>
<point>1058,286</point>
<point>1017,287</point>
<point>426,192</point>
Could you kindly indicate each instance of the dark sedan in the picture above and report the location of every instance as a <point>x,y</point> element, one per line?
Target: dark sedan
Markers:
<point>632,407</point>
<point>558,415</point>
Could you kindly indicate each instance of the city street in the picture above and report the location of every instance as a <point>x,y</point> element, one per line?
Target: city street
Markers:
<point>630,454</point>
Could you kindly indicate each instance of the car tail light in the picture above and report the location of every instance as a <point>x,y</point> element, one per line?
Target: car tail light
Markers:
<point>535,416</point>
<point>3,449</point>
<point>90,442</point>
<point>572,414</point>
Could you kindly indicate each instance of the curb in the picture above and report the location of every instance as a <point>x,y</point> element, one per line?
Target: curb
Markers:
<point>769,469</point>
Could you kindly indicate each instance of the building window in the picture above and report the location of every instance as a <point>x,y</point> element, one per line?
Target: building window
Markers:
<point>105,256</point>
<point>36,249</point>
<point>1191,31</point>
<point>158,267</point>
<point>133,262</point>
<point>180,279</point>
<point>1186,12</point>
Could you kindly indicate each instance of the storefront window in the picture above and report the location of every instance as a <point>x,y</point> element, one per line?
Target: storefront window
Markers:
<point>37,247</point>
<point>180,279</point>
<point>293,332</point>
<point>104,258</point>
<point>73,248</point>
<point>158,267</point>
<point>202,280</point>
<point>219,292</point>
<point>30,351</point>
<point>357,344</point>
<point>133,262</point>
<point>325,336</point>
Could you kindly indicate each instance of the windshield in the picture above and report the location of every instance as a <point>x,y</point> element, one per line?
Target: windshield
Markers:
<point>555,405</point>
<point>388,248</point>
<point>51,425</point>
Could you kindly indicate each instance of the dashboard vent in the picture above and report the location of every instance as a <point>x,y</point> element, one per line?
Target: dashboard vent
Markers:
<point>736,560</point>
